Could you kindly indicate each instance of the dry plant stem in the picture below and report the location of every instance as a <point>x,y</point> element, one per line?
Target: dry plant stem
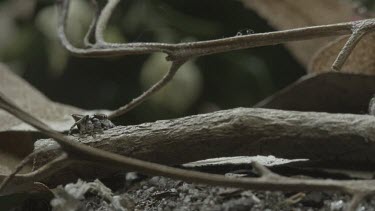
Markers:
<point>265,182</point>
<point>18,168</point>
<point>103,21</point>
<point>357,198</point>
<point>157,86</point>
<point>184,51</point>
<point>194,49</point>
<point>63,10</point>
<point>99,26</point>
<point>360,29</point>
<point>90,34</point>
<point>58,163</point>
<point>46,170</point>
<point>263,171</point>
<point>347,50</point>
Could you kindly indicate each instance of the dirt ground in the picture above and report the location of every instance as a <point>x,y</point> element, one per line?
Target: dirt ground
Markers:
<point>159,193</point>
<point>132,191</point>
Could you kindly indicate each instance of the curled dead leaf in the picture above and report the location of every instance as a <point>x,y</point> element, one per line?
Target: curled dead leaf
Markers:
<point>327,92</point>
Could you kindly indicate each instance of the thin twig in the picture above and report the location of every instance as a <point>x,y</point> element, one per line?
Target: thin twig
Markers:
<point>357,198</point>
<point>90,34</point>
<point>61,162</point>
<point>46,170</point>
<point>184,51</point>
<point>103,21</point>
<point>200,48</point>
<point>262,170</point>
<point>63,6</point>
<point>360,29</point>
<point>18,168</point>
<point>157,86</point>
<point>347,49</point>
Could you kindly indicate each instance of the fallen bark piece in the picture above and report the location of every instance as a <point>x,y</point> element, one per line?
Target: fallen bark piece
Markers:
<point>241,132</point>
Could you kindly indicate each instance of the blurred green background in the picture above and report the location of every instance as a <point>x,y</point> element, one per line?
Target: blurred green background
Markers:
<point>29,45</point>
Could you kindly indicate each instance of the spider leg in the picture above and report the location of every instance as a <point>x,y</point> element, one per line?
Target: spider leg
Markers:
<point>71,128</point>
<point>80,119</point>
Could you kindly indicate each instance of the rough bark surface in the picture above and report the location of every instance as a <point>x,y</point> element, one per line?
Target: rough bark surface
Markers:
<point>242,131</point>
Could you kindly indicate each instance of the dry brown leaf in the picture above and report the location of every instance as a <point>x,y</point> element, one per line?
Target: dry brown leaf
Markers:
<point>328,92</point>
<point>31,100</point>
<point>360,61</point>
<point>288,14</point>
<point>17,138</point>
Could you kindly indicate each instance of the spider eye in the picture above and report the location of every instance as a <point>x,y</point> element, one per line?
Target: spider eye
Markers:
<point>100,116</point>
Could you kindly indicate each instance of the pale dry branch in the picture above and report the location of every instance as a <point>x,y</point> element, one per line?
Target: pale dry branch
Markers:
<point>263,171</point>
<point>194,49</point>
<point>62,161</point>
<point>156,87</point>
<point>31,158</point>
<point>347,50</point>
<point>18,168</point>
<point>20,182</point>
<point>103,21</point>
<point>99,24</point>
<point>356,200</point>
<point>90,34</point>
<point>185,51</point>
<point>359,29</point>
<point>200,48</point>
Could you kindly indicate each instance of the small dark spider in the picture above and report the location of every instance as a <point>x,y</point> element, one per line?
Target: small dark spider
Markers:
<point>91,125</point>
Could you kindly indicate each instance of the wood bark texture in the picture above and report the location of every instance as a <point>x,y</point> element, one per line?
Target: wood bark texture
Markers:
<point>241,131</point>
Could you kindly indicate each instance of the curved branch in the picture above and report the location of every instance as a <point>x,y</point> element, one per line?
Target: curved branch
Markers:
<point>105,51</point>
<point>90,34</point>
<point>360,29</point>
<point>357,198</point>
<point>103,20</point>
<point>347,50</point>
<point>193,49</point>
<point>18,168</point>
<point>179,53</point>
<point>156,87</point>
<point>13,183</point>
